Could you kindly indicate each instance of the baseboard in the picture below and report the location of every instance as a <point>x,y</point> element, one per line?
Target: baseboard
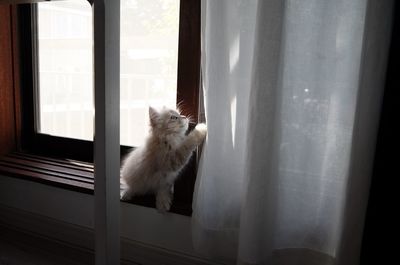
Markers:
<point>80,240</point>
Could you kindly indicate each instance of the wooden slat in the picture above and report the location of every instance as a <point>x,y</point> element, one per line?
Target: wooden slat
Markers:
<point>15,171</point>
<point>36,165</point>
<point>55,172</point>
<point>45,172</point>
<point>64,163</point>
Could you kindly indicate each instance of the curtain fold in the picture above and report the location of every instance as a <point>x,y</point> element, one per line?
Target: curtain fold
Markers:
<point>289,87</point>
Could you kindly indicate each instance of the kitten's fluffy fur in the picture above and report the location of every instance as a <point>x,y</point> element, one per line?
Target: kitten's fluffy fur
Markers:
<point>155,166</point>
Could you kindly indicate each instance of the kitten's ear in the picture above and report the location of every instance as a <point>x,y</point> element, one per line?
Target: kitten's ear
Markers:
<point>153,115</point>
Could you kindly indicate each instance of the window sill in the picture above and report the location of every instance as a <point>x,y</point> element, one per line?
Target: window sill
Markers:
<point>68,174</point>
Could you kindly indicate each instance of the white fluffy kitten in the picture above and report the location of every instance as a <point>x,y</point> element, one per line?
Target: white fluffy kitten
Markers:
<point>155,166</point>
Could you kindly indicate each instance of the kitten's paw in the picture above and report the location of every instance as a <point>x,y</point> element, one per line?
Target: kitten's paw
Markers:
<point>201,127</point>
<point>163,203</point>
<point>200,132</point>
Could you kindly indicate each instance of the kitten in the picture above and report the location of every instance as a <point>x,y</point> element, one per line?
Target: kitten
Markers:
<point>155,166</point>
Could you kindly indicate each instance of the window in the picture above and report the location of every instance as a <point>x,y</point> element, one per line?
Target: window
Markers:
<point>65,69</point>
<point>56,78</point>
<point>149,64</point>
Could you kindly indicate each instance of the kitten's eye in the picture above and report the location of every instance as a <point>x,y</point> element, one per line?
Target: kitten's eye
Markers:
<point>174,117</point>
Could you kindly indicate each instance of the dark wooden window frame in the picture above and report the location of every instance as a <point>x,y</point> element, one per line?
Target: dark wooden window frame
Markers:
<point>67,162</point>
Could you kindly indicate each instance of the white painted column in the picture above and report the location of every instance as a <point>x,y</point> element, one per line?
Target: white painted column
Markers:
<point>106,15</point>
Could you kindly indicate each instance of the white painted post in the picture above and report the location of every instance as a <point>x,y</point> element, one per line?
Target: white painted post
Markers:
<point>106,15</point>
<point>106,142</point>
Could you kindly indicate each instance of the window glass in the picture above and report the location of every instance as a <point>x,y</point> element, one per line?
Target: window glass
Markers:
<point>149,59</point>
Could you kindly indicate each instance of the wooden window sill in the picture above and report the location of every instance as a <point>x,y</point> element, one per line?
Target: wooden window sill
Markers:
<point>68,174</point>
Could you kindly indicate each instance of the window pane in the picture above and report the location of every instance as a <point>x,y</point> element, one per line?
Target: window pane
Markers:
<point>65,52</point>
<point>149,62</point>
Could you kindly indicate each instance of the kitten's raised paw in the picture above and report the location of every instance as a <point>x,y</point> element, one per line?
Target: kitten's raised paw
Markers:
<point>201,127</point>
<point>201,131</point>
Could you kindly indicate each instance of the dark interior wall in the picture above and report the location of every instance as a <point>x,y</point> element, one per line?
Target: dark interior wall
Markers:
<point>7,128</point>
<point>379,241</point>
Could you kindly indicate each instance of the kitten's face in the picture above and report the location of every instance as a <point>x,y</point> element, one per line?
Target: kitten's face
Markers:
<point>168,121</point>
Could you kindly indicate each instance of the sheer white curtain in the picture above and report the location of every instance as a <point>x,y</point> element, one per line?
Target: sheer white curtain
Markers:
<point>292,98</point>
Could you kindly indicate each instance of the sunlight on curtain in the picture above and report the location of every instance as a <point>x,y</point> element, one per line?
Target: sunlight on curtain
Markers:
<point>285,90</point>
